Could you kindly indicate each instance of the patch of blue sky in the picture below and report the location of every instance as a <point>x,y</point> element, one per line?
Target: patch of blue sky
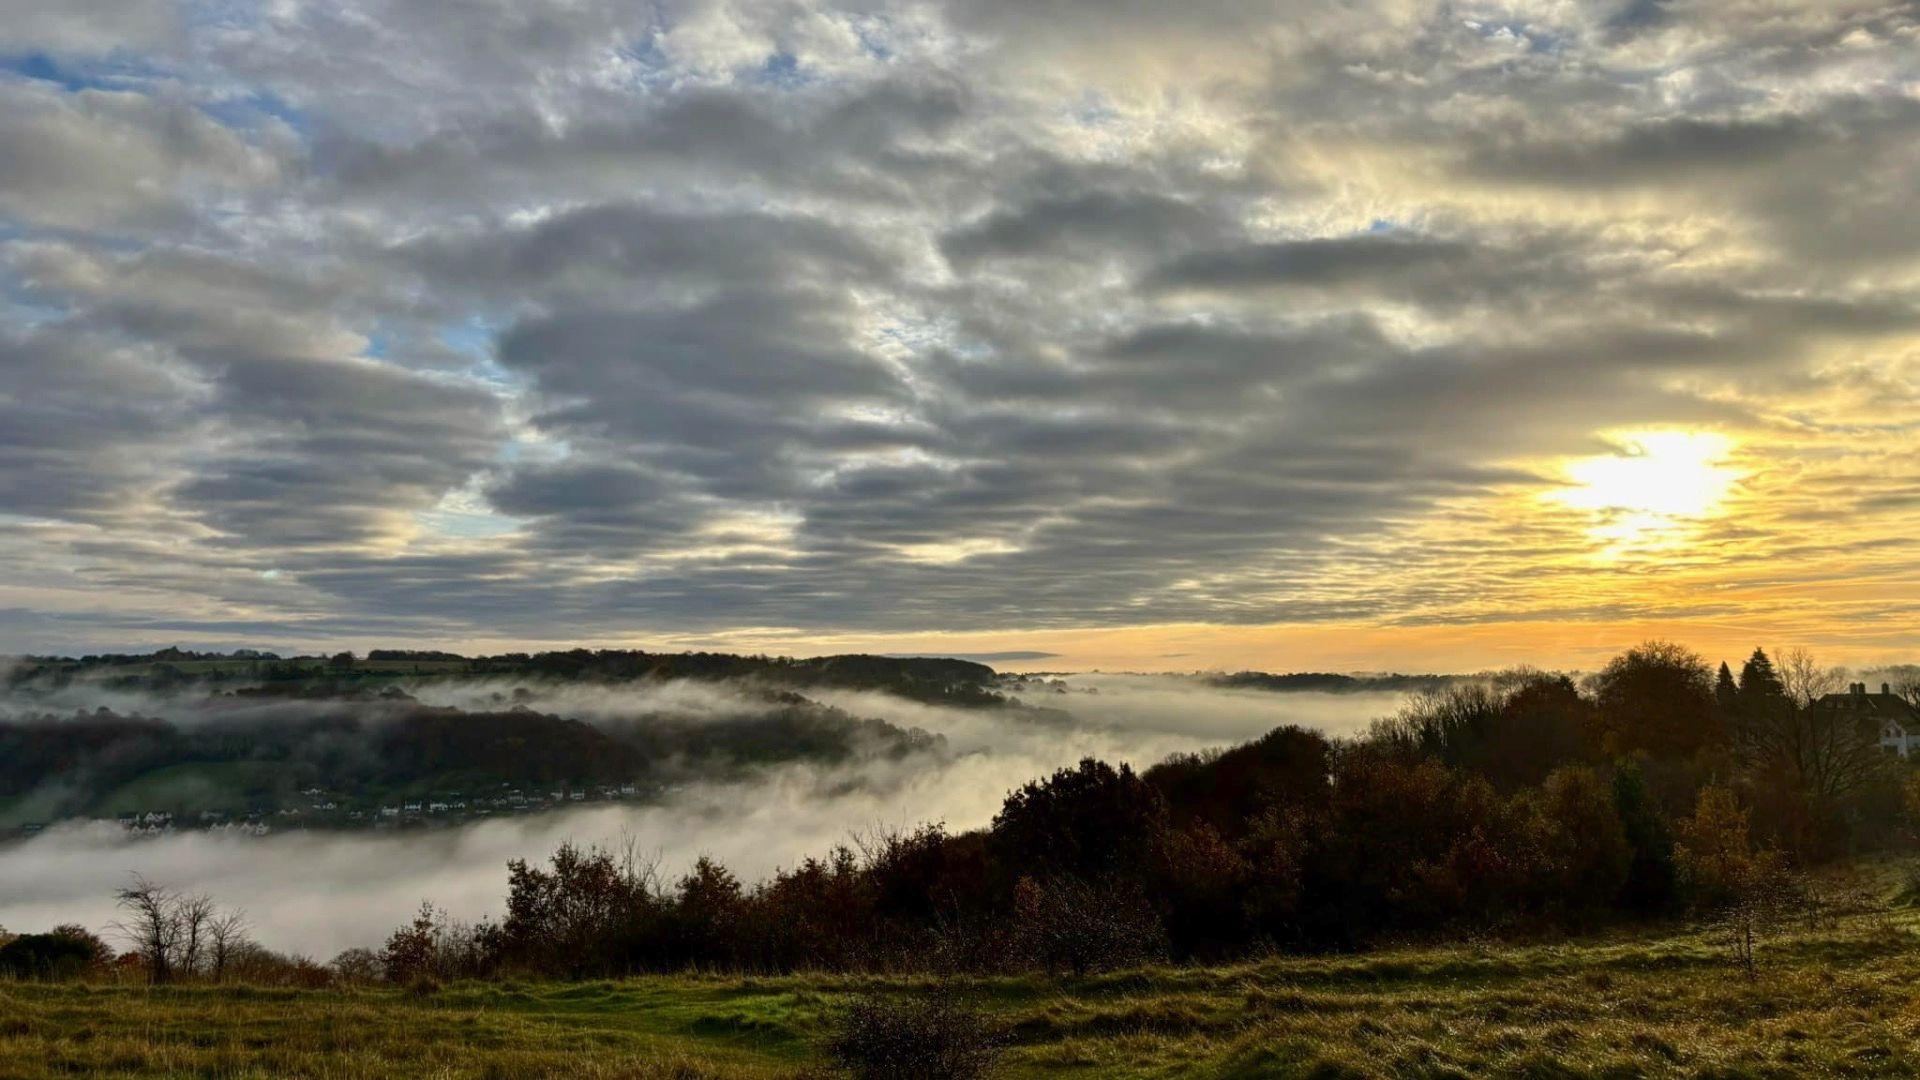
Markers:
<point>783,71</point>
<point>473,338</point>
<point>872,43</point>
<point>524,450</point>
<point>468,524</point>
<point>21,307</point>
<point>1538,39</point>
<point>648,63</point>
<point>107,73</point>
<point>248,111</point>
<point>378,346</point>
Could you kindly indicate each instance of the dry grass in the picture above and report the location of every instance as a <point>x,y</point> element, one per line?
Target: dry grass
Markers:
<point>1839,1000</point>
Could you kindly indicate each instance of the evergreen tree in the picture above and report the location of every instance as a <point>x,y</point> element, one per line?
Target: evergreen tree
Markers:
<point>1759,683</point>
<point>1724,691</point>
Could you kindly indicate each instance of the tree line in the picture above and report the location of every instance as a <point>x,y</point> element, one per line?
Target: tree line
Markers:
<point>1525,803</point>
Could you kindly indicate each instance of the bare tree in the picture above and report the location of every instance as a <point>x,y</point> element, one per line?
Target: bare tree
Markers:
<point>178,935</point>
<point>226,936</point>
<point>152,925</point>
<point>1804,680</point>
<point>195,915</point>
<point>1907,689</point>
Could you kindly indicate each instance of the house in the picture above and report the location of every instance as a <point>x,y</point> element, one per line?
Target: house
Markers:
<point>1893,718</point>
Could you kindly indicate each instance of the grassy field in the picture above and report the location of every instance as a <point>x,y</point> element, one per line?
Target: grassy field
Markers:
<point>1837,1000</point>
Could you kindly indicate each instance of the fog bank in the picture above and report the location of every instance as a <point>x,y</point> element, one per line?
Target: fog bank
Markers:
<point>319,892</point>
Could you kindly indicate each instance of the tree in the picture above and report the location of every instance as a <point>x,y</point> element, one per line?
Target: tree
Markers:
<point>1803,680</point>
<point>1726,693</point>
<point>1658,698</point>
<point>1090,820</point>
<point>1513,730</point>
<point>226,938</point>
<point>1651,874</point>
<point>577,917</point>
<point>705,913</point>
<point>176,935</point>
<point>1807,763</point>
<point>1906,686</point>
<point>1758,680</point>
<point>1577,832</point>
<point>1714,852</point>
<point>195,915</point>
<point>152,926</point>
<point>358,965</point>
<point>409,952</point>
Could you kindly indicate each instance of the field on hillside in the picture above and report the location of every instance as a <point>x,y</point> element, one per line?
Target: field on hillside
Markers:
<point>1842,999</point>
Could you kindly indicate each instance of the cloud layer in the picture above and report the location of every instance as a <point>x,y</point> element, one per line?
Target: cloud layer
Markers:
<point>745,321</point>
<point>292,883</point>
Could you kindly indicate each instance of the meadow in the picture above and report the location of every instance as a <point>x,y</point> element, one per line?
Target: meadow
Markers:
<point>1838,998</point>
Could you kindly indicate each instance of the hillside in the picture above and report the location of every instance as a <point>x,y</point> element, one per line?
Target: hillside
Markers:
<point>1836,999</point>
<point>321,756</point>
<point>933,680</point>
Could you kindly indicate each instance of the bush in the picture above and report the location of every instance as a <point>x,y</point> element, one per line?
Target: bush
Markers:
<point>931,1038</point>
<point>1084,926</point>
<point>61,954</point>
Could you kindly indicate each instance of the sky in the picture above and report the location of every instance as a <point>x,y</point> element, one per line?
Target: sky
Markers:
<point>1354,334</point>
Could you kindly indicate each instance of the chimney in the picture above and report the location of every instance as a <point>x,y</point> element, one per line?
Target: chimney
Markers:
<point>1859,689</point>
<point>1886,688</point>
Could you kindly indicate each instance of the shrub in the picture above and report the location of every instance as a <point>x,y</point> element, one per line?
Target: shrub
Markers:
<point>63,953</point>
<point>930,1038</point>
<point>1713,853</point>
<point>1083,926</point>
<point>358,966</point>
<point>1585,858</point>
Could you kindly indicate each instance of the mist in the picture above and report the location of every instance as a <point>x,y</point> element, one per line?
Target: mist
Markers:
<point>317,892</point>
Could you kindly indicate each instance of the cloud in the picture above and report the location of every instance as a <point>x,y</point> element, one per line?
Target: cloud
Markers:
<point>105,159</point>
<point>89,26</point>
<point>728,317</point>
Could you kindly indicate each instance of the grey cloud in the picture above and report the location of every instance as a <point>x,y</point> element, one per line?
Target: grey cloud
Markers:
<point>873,316</point>
<point>1093,224</point>
<point>598,251</point>
<point>89,26</point>
<point>1331,261</point>
<point>87,424</point>
<point>882,142</point>
<point>101,158</point>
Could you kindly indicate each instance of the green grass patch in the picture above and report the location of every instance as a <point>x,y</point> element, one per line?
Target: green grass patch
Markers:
<point>1842,999</point>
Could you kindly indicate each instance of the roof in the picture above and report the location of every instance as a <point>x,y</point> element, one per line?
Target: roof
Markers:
<point>1889,706</point>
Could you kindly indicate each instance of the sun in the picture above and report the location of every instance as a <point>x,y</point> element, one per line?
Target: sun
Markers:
<point>1653,485</point>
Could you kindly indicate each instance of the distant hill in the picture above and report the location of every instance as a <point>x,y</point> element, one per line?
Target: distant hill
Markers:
<point>933,680</point>
<point>340,740</point>
<point>1324,683</point>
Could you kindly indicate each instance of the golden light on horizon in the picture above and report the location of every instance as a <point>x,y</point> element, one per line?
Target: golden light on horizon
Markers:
<point>1654,488</point>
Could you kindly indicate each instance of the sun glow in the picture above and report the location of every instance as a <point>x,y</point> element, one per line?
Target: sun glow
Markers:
<point>1654,486</point>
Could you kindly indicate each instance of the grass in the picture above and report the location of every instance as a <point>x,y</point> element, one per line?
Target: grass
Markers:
<point>1839,1000</point>
<point>207,785</point>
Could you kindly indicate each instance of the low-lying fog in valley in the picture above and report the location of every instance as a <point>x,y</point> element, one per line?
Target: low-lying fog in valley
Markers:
<point>317,892</point>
